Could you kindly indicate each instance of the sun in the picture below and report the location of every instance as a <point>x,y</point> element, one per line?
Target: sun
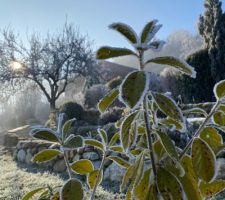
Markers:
<point>16,65</point>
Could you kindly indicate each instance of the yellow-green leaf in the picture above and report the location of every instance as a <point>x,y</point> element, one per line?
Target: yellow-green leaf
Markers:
<point>94,178</point>
<point>212,188</point>
<point>32,193</point>
<point>219,90</point>
<point>72,190</point>
<point>116,148</point>
<point>133,88</point>
<point>126,31</point>
<point>119,161</point>
<point>125,130</point>
<point>168,185</point>
<point>94,143</point>
<point>171,123</point>
<point>103,136</point>
<point>219,118</point>
<point>128,176</point>
<point>108,100</point>
<point>149,31</point>
<point>168,106</point>
<point>67,127</point>
<point>82,166</point>
<point>114,139</point>
<point>198,111</point>
<point>211,136</point>
<point>174,62</point>
<point>159,150</point>
<point>107,52</point>
<point>73,142</point>
<point>55,196</point>
<point>46,155</point>
<point>203,160</point>
<point>45,134</point>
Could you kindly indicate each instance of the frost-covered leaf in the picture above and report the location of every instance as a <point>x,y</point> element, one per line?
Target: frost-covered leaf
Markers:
<point>168,145</point>
<point>173,123</point>
<point>196,111</point>
<point>141,191</point>
<point>148,31</point>
<point>159,150</point>
<point>46,155</point>
<point>108,100</point>
<point>82,166</point>
<point>94,143</point>
<point>103,136</point>
<point>219,118</point>
<point>174,62</point>
<point>73,142</point>
<point>67,127</point>
<point>32,193</point>
<point>119,161</point>
<point>116,148</point>
<point>55,196</point>
<point>212,188</point>
<point>93,177</point>
<point>139,168</point>
<point>219,90</point>
<point>168,106</point>
<point>211,136</point>
<point>114,139</point>
<point>44,134</point>
<point>221,108</point>
<point>72,190</point>
<point>126,31</point>
<point>128,176</point>
<point>125,130</point>
<point>133,88</point>
<point>107,52</point>
<point>168,185</point>
<point>203,160</point>
<point>156,45</point>
<point>153,193</point>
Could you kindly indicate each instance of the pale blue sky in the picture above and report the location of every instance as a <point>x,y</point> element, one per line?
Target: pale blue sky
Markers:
<point>93,16</point>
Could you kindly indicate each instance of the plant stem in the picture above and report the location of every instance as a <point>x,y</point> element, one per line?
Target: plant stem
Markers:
<point>200,128</point>
<point>148,133</point>
<point>67,164</point>
<point>97,179</point>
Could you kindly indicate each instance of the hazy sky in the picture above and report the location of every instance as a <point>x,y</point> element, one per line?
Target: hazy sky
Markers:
<point>93,16</point>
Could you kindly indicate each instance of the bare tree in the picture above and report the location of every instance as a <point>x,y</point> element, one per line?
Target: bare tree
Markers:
<point>51,62</point>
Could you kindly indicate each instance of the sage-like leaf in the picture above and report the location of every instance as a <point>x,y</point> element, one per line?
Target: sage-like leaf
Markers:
<point>126,31</point>
<point>119,161</point>
<point>73,142</point>
<point>46,155</point>
<point>72,190</point>
<point>134,88</point>
<point>203,160</point>
<point>173,123</point>
<point>148,31</point>
<point>103,136</point>
<point>92,178</point>
<point>45,134</point>
<point>114,139</point>
<point>198,111</point>
<point>108,100</point>
<point>212,188</point>
<point>174,62</point>
<point>95,143</point>
<point>116,149</point>
<point>82,166</point>
<point>107,52</point>
<point>219,90</point>
<point>31,194</point>
<point>219,118</point>
<point>67,127</point>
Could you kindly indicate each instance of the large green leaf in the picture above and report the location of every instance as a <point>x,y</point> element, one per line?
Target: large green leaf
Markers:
<point>116,148</point>
<point>174,62</point>
<point>219,118</point>
<point>95,177</point>
<point>125,130</point>
<point>119,161</point>
<point>107,52</point>
<point>159,150</point>
<point>149,31</point>
<point>219,90</point>
<point>67,127</point>
<point>82,166</point>
<point>203,160</point>
<point>168,106</point>
<point>212,188</point>
<point>126,31</point>
<point>73,142</point>
<point>168,185</point>
<point>211,136</point>
<point>46,155</point>
<point>134,88</point>
<point>108,100</point>
<point>32,193</point>
<point>72,190</point>
<point>141,191</point>
<point>168,145</point>
<point>95,143</point>
<point>45,134</point>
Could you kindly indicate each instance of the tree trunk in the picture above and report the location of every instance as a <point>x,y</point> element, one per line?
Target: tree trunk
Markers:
<point>52,122</point>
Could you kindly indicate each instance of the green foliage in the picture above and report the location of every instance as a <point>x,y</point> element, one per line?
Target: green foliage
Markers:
<point>114,83</point>
<point>72,190</point>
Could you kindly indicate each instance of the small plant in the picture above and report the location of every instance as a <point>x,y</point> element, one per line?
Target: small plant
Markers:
<point>158,169</point>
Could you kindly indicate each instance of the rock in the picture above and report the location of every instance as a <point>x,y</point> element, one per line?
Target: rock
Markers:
<point>19,145</point>
<point>114,172</point>
<point>59,166</point>
<point>10,140</point>
<point>21,155</point>
<point>91,156</point>
<point>96,164</point>
<point>15,154</point>
<point>28,159</point>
